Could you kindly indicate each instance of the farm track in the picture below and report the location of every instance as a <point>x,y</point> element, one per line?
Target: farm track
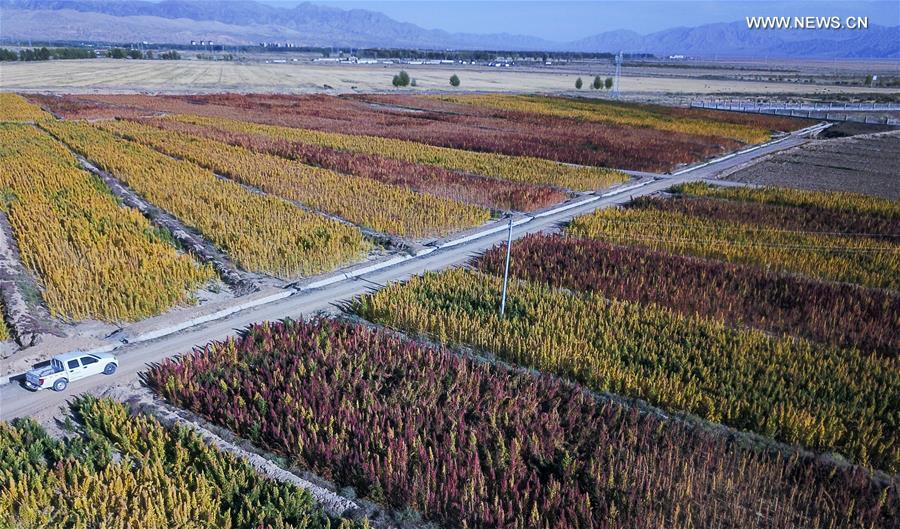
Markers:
<point>15,401</point>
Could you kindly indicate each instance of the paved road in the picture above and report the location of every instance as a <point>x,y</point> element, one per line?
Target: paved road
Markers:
<point>16,401</point>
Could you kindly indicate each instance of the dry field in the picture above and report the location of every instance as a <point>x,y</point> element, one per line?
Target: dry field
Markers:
<point>859,164</point>
<point>190,76</point>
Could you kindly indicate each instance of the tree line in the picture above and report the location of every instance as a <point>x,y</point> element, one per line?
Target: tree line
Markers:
<point>45,54</point>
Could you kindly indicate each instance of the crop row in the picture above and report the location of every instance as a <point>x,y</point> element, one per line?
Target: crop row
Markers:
<point>473,445</point>
<point>519,135</point>
<point>815,201</point>
<point>4,329</point>
<point>124,471</point>
<point>80,108</point>
<point>740,295</point>
<point>261,233</point>
<point>824,398</point>
<point>515,169</point>
<point>866,262</point>
<point>15,108</point>
<point>491,193</point>
<point>94,259</point>
<point>382,207</point>
<point>810,220</point>
<point>618,113</point>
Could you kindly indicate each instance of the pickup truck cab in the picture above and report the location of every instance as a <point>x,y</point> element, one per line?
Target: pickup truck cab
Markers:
<point>68,367</point>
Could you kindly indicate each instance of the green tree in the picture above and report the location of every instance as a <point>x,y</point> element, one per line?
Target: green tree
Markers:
<point>578,84</point>
<point>401,79</point>
<point>6,55</point>
<point>598,83</point>
<point>454,80</point>
<point>608,82</point>
<point>116,53</point>
<point>135,54</point>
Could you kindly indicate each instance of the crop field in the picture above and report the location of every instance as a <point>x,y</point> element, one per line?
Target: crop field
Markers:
<point>363,201</point>
<point>658,224</point>
<point>15,108</point>
<point>872,209</point>
<point>523,169</point>
<point>422,120</point>
<point>492,193</point>
<point>470,444</point>
<point>740,295</point>
<point>93,258</point>
<point>122,471</point>
<point>741,127</point>
<point>821,397</point>
<point>261,233</point>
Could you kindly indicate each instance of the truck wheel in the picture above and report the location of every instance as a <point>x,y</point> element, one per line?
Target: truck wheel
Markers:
<point>60,385</point>
<point>109,369</point>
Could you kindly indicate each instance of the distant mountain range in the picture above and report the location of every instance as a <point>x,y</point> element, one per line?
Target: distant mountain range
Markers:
<point>247,22</point>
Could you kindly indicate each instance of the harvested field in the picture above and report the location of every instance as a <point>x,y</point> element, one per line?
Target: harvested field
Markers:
<point>860,164</point>
<point>192,76</point>
<point>852,128</point>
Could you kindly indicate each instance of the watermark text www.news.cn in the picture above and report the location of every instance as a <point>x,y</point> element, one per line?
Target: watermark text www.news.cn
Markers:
<point>809,22</point>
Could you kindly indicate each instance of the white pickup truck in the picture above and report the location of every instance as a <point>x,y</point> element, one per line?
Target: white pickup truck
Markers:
<point>68,367</point>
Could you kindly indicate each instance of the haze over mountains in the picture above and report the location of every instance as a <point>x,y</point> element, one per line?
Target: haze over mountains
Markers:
<point>247,22</point>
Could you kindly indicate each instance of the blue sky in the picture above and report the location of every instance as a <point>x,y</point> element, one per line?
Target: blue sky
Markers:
<point>568,20</point>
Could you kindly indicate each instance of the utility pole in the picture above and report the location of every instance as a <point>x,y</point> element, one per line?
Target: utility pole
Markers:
<point>506,271</point>
<point>619,59</point>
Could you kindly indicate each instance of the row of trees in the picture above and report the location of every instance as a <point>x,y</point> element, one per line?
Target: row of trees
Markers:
<point>45,54</point>
<point>122,53</point>
<point>403,79</point>
<point>598,84</point>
